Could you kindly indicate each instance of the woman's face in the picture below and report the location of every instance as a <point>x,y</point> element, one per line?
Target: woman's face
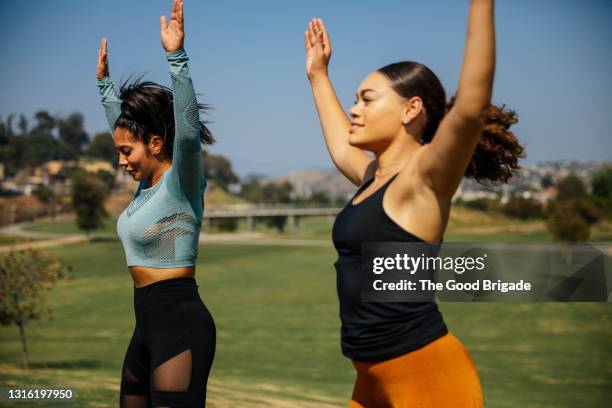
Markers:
<point>133,155</point>
<point>378,113</point>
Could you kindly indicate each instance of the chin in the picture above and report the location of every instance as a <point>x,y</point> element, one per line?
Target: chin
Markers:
<point>356,141</point>
<point>360,141</point>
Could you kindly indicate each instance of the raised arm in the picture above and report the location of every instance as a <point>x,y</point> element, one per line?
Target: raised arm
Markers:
<point>446,158</point>
<point>186,174</point>
<point>110,101</point>
<point>351,161</point>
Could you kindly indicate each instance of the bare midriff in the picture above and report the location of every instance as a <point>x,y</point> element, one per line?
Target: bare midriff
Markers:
<point>143,275</point>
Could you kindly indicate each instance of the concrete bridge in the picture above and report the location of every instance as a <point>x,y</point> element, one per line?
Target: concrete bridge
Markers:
<point>251,212</point>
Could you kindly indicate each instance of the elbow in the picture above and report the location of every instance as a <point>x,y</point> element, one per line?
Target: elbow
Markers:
<point>473,108</point>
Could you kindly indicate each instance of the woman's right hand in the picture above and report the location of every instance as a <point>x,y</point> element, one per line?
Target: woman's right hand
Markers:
<point>102,70</point>
<point>318,49</point>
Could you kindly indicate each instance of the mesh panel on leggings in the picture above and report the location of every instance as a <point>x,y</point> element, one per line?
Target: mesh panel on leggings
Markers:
<point>134,393</point>
<point>174,374</point>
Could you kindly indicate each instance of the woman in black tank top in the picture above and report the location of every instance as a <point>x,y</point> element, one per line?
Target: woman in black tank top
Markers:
<point>394,328</point>
<point>403,352</point>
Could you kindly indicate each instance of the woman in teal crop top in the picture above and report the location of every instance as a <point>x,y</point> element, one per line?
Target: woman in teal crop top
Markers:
<point>158,134</point>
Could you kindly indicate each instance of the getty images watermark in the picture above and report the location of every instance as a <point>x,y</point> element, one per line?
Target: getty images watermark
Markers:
<point>499,272</point>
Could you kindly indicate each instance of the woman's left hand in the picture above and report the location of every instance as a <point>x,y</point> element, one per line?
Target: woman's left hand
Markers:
<point>172,34</point>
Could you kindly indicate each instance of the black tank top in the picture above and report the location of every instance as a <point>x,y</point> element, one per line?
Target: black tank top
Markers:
<point>376,331</point>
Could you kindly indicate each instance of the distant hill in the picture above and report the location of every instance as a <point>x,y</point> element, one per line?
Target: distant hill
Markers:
<point>306,182</point>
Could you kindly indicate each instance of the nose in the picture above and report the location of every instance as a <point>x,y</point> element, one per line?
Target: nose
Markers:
<point>122,160</point>
<point>353,112</point>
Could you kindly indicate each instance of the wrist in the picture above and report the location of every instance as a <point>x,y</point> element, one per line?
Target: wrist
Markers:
<point>175,52</point>
<point>318,77</point>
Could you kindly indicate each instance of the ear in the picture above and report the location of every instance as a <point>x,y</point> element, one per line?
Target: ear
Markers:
<point>413,107</point>
<point>156,145</point>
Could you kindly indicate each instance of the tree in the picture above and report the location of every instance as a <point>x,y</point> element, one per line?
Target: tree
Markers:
<point>252,191</point>
<point>571,186</point>
<point>88,196</point>
<point>44,121</point>
<point>570,219</point>
<point>277,193</point>
<point>103,147</point>
<point>22,125</point>
<point>218,169</point>
<point>72,135</point>
<point>269,193</point>
<point>4,133</point>
<point>46,196</point>
<point>107,177</point>
<point>566,225</point>
<point>522,208</point>
<point>24,277</point>
<point>320,197</point>
<point>602,183</point>
<point>40,146</point>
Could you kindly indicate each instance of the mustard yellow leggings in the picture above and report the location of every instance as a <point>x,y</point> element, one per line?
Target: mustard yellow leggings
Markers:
<point>441,374</point>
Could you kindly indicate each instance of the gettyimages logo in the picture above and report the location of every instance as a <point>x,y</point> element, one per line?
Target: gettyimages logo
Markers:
<point>418,272</point>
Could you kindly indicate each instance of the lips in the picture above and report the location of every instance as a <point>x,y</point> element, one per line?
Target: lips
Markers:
<point>354,127</point>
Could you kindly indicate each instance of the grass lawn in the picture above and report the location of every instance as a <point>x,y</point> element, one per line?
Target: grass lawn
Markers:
<point>276,313</point>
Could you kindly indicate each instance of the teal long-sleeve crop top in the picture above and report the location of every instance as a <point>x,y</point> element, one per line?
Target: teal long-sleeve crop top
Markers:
<point>161,226</point>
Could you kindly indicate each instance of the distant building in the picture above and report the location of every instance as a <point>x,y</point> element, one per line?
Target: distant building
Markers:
<point>52,174</point>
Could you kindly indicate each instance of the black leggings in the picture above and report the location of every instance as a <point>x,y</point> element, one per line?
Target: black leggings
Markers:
<point>172,349</point>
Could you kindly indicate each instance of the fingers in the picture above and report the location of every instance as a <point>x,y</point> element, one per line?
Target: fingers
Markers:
<point>326,40</point>
<point>176,15</point>
<point>318,34</point>
<point>319,41</point>
<point>306,41</point>
<point>311,34</point>
<point>180,13</point>
<point>163,23</point>
<point>102,53</point>
<point>102,69</point>
<point>173,12</point>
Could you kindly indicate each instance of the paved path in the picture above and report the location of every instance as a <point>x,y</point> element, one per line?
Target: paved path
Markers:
<point>51,239</point>
<point>44,239</point>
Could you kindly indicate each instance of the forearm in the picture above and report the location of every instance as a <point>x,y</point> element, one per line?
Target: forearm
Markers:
<point>478,69</point>
<point>110,101</point>
<point>334,122</point>
<point>186,113</point>
<point>187,173</point>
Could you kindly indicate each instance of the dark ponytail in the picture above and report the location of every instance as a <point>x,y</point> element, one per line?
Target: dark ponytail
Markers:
<point>147,109</point>
<point>496,156</point>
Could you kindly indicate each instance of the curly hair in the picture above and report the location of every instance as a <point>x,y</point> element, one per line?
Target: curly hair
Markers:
<point>147,109</point>
<point>496,156</point>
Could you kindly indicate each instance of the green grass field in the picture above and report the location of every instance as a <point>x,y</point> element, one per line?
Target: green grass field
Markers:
<point>276,313</point>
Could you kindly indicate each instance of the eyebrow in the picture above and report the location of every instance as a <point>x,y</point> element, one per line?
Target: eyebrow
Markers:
<point>364,91</point>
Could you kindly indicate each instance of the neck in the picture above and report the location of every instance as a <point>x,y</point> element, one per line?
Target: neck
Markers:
<point>396,155</point>
<point>158,173</point>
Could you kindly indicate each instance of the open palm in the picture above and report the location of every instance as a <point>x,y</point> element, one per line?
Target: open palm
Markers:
<point>173,33</point>
<point>318,48</point>
<point>102,69</point>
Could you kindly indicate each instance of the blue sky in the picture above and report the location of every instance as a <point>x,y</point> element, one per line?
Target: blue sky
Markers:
<point>247,59</point>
